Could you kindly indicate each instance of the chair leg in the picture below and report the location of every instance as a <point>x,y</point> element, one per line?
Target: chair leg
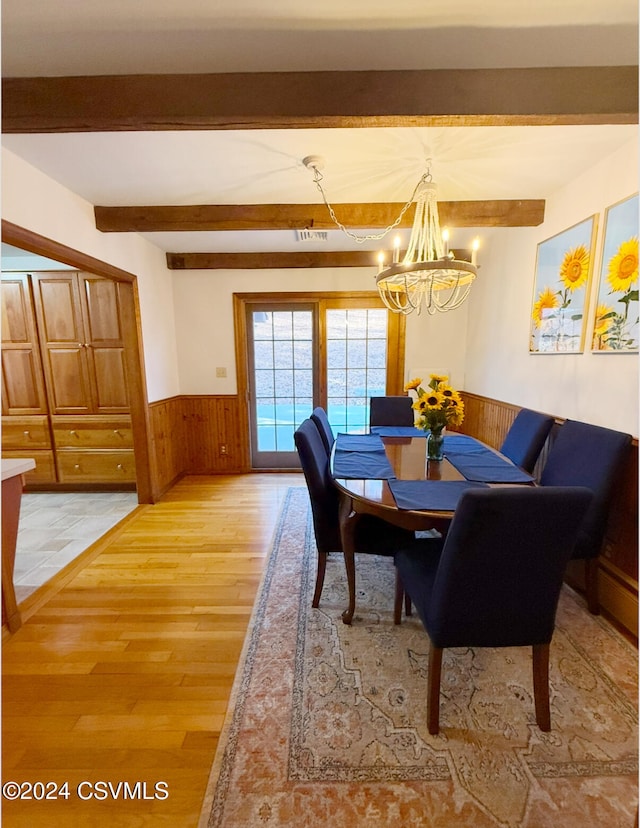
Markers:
<point>407,604</point>
<point>322,566</point>
<point>397,604</point>
<point>433,690</point>
<point>591,585</point>
<point>541,685</point>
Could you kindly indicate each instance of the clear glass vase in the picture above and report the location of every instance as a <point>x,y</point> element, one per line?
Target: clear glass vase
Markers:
<point>435,444</point>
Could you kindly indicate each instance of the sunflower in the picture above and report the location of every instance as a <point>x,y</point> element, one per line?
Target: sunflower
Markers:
<point>447,391</point>
<point>437,378</point>
<point>433,401</point>
<point>574,269</point>
<point>623,267</point>
<point>547,300</point>
<point>604,315</point>
<point>412,385</point>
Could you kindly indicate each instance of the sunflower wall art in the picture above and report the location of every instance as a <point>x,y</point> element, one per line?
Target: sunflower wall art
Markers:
<point>615,326</point>
<point>563,272</point>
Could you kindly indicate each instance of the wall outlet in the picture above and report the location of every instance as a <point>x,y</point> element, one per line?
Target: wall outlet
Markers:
<point>223,448</point>
<point>221,373</point>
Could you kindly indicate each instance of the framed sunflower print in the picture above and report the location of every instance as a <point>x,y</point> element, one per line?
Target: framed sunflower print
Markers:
<point>561,290</point>
<point>615,326</point>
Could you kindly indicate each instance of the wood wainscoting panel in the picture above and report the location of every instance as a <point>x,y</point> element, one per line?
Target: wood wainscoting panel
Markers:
<point>168,464</point>
<point>196,435</point>
<point>489,420</point>
<point>215,435</point>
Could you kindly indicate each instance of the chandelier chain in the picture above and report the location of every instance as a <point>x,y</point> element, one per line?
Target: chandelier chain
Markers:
<point>360,239</point>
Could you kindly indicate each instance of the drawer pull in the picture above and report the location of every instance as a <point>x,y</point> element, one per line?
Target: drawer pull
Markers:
<point>73,433</point>
<point>116,432</point>
<point>120,467</point>
<point>77,467</point>
<point>26,433</point>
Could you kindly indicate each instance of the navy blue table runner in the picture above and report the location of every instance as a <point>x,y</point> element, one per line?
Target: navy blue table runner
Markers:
<point>398,431</point>
<point>361,456</point>
<point>440,495</point>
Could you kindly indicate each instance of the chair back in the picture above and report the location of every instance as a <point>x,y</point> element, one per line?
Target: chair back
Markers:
<point>322,493</point>
<point>391,411</point>
<point>526,437</point>
<point>319,417</point>
<point>500,573</point>
<point>591,456</point>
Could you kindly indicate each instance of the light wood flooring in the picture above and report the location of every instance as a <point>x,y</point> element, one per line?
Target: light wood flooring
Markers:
<point>123,667</point>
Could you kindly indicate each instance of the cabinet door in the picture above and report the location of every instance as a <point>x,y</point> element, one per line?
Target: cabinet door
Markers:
<point>105,344</point>
<point>23,390</point>
<point>63,342</point>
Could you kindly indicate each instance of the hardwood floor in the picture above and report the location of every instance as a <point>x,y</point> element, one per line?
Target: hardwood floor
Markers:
<point>124,675</point>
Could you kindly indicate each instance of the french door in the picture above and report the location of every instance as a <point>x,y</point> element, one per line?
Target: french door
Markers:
<point>305,352</point>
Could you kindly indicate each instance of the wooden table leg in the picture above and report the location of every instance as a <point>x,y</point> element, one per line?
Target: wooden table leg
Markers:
<point>348,522</point>
<point>11,495</point>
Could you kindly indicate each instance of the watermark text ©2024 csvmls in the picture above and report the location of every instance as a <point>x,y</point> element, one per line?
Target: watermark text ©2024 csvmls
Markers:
<point>96,791</point>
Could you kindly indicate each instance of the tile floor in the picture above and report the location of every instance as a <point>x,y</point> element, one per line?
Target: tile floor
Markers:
<point>55,528</point>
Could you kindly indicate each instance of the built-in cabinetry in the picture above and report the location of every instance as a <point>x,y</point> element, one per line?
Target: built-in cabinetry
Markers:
<point>65,400</point>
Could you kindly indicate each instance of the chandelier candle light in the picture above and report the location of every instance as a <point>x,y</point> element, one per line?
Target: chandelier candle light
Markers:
<point>429,276</point>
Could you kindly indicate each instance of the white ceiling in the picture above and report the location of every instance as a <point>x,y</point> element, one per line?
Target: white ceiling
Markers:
<point>69,37</point>
<point>265,166</point>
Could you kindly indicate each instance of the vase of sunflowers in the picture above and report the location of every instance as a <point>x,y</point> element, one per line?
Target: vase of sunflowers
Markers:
<point>438,405</point>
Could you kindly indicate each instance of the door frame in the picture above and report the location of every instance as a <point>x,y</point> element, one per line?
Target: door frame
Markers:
<point>395,338</point>
<point>132,333</point>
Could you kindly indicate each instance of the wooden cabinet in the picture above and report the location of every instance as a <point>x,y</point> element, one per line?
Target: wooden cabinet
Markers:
<point>65,398</point>
<point>23,391</point>
<point>94,448</point>
<point>30,437</point>
<point>82,345</point>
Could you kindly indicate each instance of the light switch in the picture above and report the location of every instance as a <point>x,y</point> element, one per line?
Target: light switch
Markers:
<point>221,373</point>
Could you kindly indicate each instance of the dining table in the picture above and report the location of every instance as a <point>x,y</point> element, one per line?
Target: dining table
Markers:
<point>386,473</point>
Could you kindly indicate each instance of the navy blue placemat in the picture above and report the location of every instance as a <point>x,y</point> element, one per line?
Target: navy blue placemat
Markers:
<point>398,431</point>
<point>463,443</point>
<point>440,495</point>
<point>359,442</point>
<point>488,468</point>
<point>370,465</point>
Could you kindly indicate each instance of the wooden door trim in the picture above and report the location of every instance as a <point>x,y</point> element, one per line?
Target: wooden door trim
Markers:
<point>41,245</point>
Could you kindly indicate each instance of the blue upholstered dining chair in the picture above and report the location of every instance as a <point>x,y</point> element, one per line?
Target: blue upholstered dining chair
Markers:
<point>591,456</point>
<point>526,437</point>
<point>372,535</point>
<point>497,579</point>
<point>319,417</point>
<point>391,411</point>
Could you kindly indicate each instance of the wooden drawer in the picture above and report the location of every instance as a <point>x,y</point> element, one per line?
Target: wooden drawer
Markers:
<point>45,470</point>
<point>28,433</point>
<point>92,433</point>
<point>96,466</point>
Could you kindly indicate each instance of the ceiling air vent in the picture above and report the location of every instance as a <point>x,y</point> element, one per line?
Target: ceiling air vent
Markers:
<point>312,235</point>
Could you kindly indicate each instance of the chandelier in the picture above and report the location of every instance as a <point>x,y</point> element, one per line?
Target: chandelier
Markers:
<point>429,276</point>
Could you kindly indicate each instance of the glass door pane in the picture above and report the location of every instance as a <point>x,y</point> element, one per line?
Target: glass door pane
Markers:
<point>282,380</point>
<point>356,347</point>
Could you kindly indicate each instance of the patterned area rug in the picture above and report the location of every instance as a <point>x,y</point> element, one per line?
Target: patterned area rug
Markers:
<point>327,725</point>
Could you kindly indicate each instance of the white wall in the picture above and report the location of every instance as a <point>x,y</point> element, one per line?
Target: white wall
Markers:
<point>599,388</point>
<point>33,201</point>
<point>204,322</point>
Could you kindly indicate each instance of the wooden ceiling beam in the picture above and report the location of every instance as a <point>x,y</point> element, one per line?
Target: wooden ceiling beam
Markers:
<point>290,100</point>
<point>154,219</point>
<point>266,261</point>
<point>277,261</point>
